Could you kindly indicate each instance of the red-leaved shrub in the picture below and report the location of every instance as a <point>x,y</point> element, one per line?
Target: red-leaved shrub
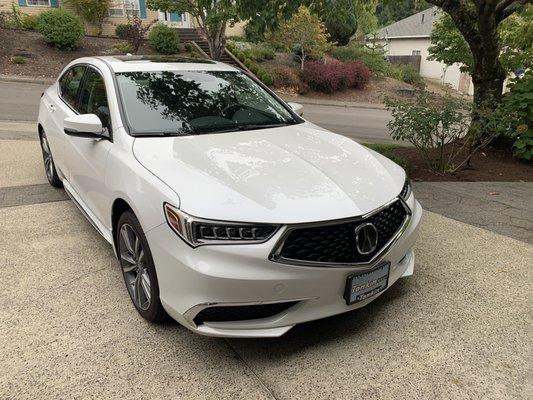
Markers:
<point>336,75</point>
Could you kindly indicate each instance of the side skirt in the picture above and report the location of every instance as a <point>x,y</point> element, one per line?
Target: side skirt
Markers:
<point>107,235</point>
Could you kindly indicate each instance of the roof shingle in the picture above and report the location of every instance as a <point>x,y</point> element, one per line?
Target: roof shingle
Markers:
<point>417,25</point>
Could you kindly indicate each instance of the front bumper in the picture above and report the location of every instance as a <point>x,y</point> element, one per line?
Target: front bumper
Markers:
<point>192,279</point>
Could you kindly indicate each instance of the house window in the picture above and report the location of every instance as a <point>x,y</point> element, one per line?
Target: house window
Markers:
<point>41,3</point>
<point>124,8</point>
<point>416,52</point>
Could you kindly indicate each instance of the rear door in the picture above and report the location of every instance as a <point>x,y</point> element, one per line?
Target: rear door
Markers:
<point>86,157</point>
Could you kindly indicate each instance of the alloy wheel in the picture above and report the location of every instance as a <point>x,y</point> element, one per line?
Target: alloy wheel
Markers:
<point>47,156</point>
<point>134,268</point>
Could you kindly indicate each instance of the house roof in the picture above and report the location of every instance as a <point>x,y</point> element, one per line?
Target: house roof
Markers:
<point>417,25</point>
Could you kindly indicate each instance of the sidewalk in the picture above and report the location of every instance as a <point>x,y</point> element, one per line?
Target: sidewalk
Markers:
<point>41,80</point>
<point>333,103</point>
<point>502,207</point>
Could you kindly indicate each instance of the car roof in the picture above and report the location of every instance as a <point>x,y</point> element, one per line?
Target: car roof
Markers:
<point>140,63</point>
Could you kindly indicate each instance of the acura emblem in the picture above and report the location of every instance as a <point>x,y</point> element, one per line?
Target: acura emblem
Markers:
<point>366,238</point>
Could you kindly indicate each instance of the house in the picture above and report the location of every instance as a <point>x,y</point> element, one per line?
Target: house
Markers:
<point>118,14</point>
<point>411,37</point>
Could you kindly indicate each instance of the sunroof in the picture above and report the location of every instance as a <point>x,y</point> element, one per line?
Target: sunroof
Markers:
<point>164,59</point>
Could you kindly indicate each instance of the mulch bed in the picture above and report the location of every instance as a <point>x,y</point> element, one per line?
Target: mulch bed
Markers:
<point>46,61</point>
<point>490,165</point>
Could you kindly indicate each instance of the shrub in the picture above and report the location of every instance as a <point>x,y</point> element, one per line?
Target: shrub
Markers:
<point>60,29</point>
<point>253,51</point>
<point>394,71</point>
<point>373,58</point>
<point>29,22</point>
<point>18,60</point>
<point>254,68</point>
<point>334,76</point>
<point>513,119</point>
<point>405,73</point>
<point>135,32</point>
<point>265,77</point>
<point>189,47</point>
<point>518,104</point>
<point>122,30</point>
<point>284,76</point>
<point>436,127</point>
<point>411,76</point>
<point>163,39</point>
<point>123,47</point>
<point>237,38</point>
<point>91,11</point>
<point>17,19</point>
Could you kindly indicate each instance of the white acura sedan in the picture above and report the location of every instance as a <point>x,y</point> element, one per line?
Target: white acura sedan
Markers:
<point>226,209</point>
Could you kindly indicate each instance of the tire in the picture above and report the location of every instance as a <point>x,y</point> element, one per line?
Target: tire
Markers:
<point>49,165</point>
<point>138,268</point>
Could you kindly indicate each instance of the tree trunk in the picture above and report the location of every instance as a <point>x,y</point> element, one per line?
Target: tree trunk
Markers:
<point>216,39</point>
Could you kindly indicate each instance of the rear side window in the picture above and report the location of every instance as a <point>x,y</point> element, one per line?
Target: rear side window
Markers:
<point>69,85</point>
<point>93,97</point>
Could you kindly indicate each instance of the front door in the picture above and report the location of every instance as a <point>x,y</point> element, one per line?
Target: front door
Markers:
<point>178,20</point>
<point>86,158</point>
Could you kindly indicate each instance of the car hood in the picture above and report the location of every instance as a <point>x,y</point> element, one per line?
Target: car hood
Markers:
<point>281,175</point>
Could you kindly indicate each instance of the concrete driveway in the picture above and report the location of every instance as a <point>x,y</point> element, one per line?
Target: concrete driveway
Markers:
<point>459,328</point>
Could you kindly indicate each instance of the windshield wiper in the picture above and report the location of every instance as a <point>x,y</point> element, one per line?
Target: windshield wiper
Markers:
<point>249,127</point>
<point>246,127</point>
<point>163,133</point>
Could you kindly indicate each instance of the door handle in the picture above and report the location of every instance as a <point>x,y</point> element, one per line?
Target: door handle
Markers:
<point>51,107</point>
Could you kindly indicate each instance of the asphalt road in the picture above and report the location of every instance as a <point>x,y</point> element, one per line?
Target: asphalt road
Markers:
<point>20,102</point>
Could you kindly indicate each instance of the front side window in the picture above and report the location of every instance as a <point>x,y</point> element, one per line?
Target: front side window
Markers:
<point>69,85</point>
<point>197,102</point>
<point>93,97</point>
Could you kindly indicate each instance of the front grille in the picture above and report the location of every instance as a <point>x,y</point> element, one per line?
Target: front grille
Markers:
<point>336,243</point>
<point>240,313</point>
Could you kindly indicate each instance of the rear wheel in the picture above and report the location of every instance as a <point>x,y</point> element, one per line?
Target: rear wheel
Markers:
<point>49,166</point>
<point>138,268</point>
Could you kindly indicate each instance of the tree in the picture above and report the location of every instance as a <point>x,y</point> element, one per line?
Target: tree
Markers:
<point>343,18</point>
<point>212,15</point>
<point>92,12</point>
<point>305,30</point>
<point>478,22</point>
<point>515,35</point>
<point>389,11</point>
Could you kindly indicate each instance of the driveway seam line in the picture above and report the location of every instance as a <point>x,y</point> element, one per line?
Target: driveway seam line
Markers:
<point>249,368</point>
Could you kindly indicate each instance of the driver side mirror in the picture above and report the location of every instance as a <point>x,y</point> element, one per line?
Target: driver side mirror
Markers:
<point>84,125</point>
<point>297,108</point>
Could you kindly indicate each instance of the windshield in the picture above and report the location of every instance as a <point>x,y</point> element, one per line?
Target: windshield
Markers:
<point>197,102</point>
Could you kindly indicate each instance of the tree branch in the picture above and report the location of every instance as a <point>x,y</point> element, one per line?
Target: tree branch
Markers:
<point>510,7</point>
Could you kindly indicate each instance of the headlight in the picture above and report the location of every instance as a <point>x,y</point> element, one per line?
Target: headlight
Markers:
<point>198,231</point>
<point>406,190</point>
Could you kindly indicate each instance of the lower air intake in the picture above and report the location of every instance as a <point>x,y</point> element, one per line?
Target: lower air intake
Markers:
<point>240,313</point>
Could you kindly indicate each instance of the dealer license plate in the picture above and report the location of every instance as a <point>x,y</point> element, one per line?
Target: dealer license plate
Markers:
<point>362,286</point>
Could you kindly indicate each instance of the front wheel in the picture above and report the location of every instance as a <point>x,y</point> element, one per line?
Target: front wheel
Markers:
<point>49,166</point>
<point>138,268</point>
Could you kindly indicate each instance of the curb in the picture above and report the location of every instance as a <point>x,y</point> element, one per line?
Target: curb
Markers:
<point>332,103</point>
<point>27,79</point>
